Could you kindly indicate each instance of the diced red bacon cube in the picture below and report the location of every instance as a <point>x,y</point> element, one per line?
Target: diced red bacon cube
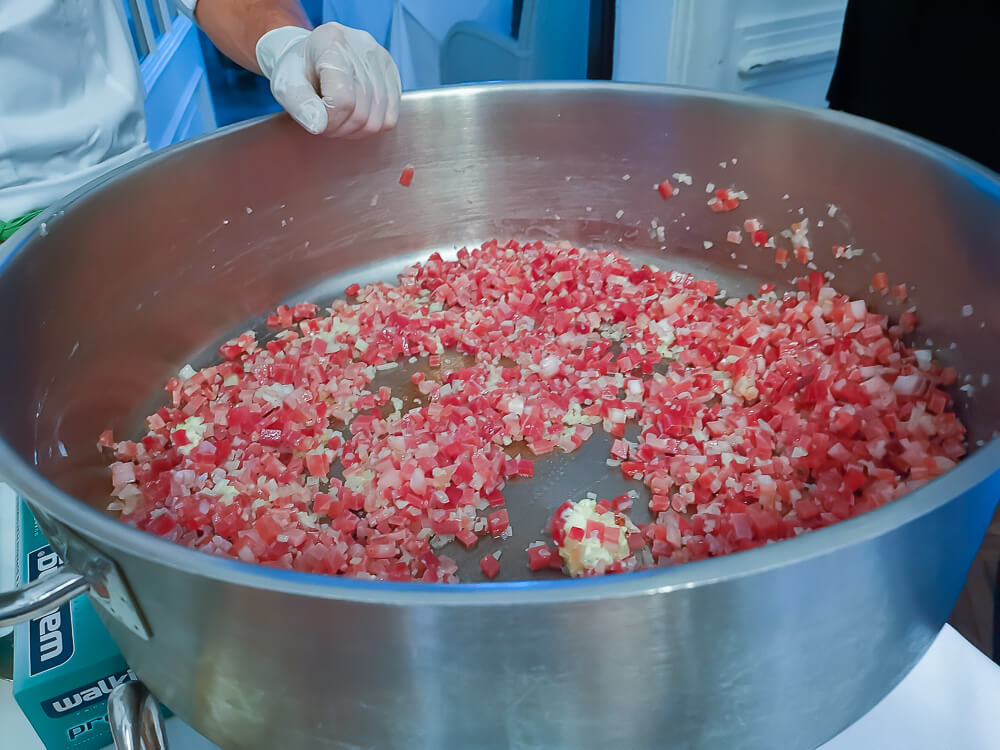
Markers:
<point>498,522</point>
<point>490,566</point>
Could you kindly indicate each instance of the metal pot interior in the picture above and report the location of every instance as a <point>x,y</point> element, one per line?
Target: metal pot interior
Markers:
<point>125,284</point>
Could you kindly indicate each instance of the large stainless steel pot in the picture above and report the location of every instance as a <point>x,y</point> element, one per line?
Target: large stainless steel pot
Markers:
<point>779,647</point>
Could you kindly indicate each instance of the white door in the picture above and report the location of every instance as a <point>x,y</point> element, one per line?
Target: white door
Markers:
<point>781,48</point>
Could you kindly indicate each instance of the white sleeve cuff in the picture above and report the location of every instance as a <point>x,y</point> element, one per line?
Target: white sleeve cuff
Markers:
<point>186,7</point>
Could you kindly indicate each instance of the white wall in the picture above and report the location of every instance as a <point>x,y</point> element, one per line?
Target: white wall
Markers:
<point>780,48</point>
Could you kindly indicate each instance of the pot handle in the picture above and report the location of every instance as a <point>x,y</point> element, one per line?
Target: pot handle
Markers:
<point>135,719</point>
<point>89,572</point>
<point>40,596</point>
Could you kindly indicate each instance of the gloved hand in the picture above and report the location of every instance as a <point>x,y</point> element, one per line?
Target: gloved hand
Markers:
<point>333,80</point>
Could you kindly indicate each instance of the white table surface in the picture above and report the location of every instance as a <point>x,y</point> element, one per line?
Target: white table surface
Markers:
<point>948,702</point>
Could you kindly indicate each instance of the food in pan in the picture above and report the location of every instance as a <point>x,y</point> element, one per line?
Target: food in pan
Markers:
<point>748,420</point>
<point>594,539</point>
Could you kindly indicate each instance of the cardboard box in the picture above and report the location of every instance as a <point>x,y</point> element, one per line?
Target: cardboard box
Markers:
<point>65,663</point>
<point>8,578</point>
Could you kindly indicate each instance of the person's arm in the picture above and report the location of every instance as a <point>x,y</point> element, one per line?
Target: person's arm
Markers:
<point>333,79</point>
<point>235,26</point>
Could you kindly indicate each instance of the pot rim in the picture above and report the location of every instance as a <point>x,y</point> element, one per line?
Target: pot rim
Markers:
<point>980,467</point>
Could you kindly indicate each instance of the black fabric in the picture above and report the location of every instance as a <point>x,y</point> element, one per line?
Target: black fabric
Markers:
<point>515,18</point>
<point>925,66</point>
<point>601,46</point>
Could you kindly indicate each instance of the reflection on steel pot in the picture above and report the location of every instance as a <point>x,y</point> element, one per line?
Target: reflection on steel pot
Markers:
<point>781,646</point>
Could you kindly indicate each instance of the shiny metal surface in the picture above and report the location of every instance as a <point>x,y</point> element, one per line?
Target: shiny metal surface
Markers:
<point>134,718</point>
<point>108,590</point>
<point>98,576</point>
<point>40,596</point>
<point>778,647</point>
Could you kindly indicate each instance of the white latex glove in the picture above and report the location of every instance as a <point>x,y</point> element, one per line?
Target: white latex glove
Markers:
<point>333,80</point>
